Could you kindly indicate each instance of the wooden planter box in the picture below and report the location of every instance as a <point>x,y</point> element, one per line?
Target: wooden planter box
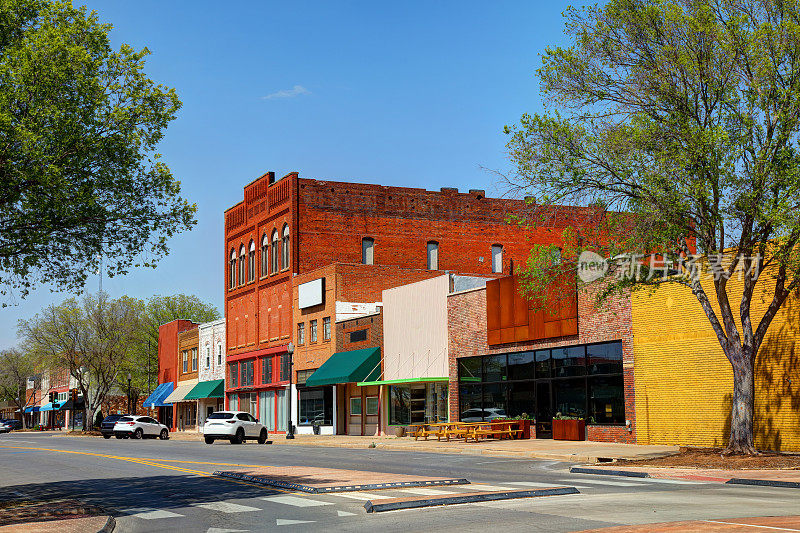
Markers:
<point>569,429</point>
<point>525,425</point>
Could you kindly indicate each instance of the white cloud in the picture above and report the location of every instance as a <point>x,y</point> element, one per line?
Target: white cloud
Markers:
<point>297,90</point>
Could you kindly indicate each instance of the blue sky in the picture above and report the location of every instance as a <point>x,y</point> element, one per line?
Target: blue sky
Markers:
<point>405,93</point>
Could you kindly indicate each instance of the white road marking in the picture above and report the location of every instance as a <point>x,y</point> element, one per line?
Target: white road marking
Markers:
<point>226,507</point>
<point>604,482</point>
<point>364,496</point>
<point>544,485</point>
<point>152,514</point>
<point>427,492</point>
<point>750,525</point>
<point>487,488</point>
<point>669,481</point>
<point>285,522</point>
<point>218,530</point>
<point>345,513</point>
<point>295,501</point>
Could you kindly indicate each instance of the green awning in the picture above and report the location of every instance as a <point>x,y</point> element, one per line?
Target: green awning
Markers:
<point>348,367</point>
<point>207,389</point>
<point>400,381</point>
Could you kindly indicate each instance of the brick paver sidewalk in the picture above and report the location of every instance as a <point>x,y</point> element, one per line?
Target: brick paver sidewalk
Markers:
<point>726,525</point>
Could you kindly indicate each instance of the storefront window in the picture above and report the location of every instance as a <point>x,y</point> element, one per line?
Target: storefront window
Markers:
<point>521,399</point>
<point>569,397</point>
<point>316,406</point>
<point>469,369</point>
<point>605,358</point>
<point>399,405</point>
<point>606,400</point>
<point>233,374</point>
<point>372,405</point>
<point>494,368</point>
<point>266,369</point>
<point>470,399</point>
<point>494,401</point>
<point>520,365</point>
<point>355,406</point>
<point>542,363</point>
<point>247,374</point>
<point>570,361</point>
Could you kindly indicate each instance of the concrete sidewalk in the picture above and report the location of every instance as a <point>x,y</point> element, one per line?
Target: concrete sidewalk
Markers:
<point>556,450</point>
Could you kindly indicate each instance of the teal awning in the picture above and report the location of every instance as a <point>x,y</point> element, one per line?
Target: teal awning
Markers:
<point>50,406</point>
<point>401,381</point>
<point>348,367</point>
<point>207,389</point>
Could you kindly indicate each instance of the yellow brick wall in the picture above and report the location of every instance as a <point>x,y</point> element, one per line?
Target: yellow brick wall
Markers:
<point>684,382</point>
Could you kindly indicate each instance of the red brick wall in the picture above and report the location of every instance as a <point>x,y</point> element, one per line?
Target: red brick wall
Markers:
<point>168,349</point>
<point>466,313</point>
<point>374,326</point>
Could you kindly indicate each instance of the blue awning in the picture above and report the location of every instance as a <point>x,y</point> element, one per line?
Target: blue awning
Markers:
<point>50,406</point>
<point>157,398</point>
<point>32,409</point>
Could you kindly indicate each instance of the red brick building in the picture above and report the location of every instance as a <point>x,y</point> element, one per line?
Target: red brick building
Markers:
<point>295,225</point>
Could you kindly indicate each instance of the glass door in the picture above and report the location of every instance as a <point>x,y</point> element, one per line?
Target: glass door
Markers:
<point>544,411</point>
<point>281,410</point>
<point>267,410</point>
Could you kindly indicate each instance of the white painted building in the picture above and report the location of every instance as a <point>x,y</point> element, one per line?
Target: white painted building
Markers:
<point>211,372</point>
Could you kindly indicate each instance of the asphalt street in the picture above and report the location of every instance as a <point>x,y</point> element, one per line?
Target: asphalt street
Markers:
<point>152,485</point>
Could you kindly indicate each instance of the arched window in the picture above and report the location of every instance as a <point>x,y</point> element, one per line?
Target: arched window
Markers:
<point>497,258</point>
<point>285,247</point>
<point>232,269</point>
<point>368,251</point>
<point>242,256</point>
<point>251,262</point>
<point>275,257</point>
<point>264,255</point>
<point>433,255</point>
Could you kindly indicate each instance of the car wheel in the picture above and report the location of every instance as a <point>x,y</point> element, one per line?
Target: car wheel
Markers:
<point>106,436</point>
<point>138,434</point>
<point>164,434</point>
<point>262,437</point>
<point>209,440</point>
<point>239,438</point>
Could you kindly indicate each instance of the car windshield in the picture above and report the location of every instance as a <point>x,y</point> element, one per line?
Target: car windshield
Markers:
<point>125,419</point>
<point>220,416</point>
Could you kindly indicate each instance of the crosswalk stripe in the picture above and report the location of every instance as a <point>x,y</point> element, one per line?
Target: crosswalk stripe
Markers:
<point>153,514</point>
<point>295,501</point>
<point>286,522</point>
<point>670,481</point>
<point>226,507</point>
<point>488,488</point>
<point>427,492</point>
<point>544,485</point>
<point>604,482</point>
<point>364,496</point>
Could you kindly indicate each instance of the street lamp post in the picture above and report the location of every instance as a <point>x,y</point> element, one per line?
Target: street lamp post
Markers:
<point>289,428</point>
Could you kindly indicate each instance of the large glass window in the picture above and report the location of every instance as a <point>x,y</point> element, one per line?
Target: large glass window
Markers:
<point>494,368</point>
<point>233,374</point>
<point>247,373</point>
<point>522,399</point>
<point>605,358</point>
<point>606,400</point>
<point>542,363</point>
<point>569,397</point>
<point>569,361</point>
<point>521,366</point>
<point>470,398</point>
<point>494,401</point>
<point>399,405</point>
<point>316,406</point>
<point>469,369</point>
<point>266,369</point>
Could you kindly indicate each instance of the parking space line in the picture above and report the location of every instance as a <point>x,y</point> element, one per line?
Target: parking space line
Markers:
<point>295,501</point>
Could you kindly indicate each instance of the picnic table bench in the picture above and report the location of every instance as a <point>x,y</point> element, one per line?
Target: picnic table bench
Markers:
<point>466,430</point>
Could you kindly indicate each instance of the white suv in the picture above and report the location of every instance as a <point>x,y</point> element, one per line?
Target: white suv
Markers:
<point>235,426</point>
<point>137,427</point>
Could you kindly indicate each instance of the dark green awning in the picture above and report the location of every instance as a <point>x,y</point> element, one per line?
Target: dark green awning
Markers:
<point>348,367</point>
<point>207,389</point>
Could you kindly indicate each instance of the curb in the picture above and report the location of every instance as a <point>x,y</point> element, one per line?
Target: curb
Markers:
<point>110,525</point>
<point>764,483</point>
<point>607,472</point>
<point>471,498</point>
<point>340,488</point>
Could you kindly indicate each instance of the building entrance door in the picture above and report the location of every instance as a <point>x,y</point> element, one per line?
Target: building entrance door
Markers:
<point>544,411</point>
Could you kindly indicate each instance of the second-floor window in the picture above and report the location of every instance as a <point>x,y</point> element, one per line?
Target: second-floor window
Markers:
<point>433,255</point>
<point>264,255</point>
<point>232,269</point>
<point>242,256</point>
<point>194,359</point>
<point>219,354</point>
<point>312,331</point>
<point>275,252</point>
<point>208,357</point>
<point>284,366</point>
<point>368,251</point>
<point>247,373</point>
<point>301,333</point>
<point>233,374</point>
<point>326,328</point>
<point>266,370</point>
<point>185,357</point>
<point>251,262</point>
<point>497,259</point>
<point>285,247</point>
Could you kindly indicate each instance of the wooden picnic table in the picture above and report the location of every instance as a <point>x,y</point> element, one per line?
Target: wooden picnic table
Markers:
<point>466,430</point>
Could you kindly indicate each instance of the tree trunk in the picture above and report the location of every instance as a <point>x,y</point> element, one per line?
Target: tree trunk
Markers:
<point>741,439</point>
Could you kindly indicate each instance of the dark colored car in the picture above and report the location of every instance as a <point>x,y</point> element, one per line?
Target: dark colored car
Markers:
<point>107,425</point>
<point>11,423</point>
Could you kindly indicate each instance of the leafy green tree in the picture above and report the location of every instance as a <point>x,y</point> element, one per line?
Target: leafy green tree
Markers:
<point>16,367</point>
<point>684,115</point>
<point>79,174</point>
<point>92,339</point>
<point>158,310</point>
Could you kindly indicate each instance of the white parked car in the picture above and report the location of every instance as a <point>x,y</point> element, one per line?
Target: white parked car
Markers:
<point>482,415</point>
<point>138,427</point>
<point>235,426</point>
